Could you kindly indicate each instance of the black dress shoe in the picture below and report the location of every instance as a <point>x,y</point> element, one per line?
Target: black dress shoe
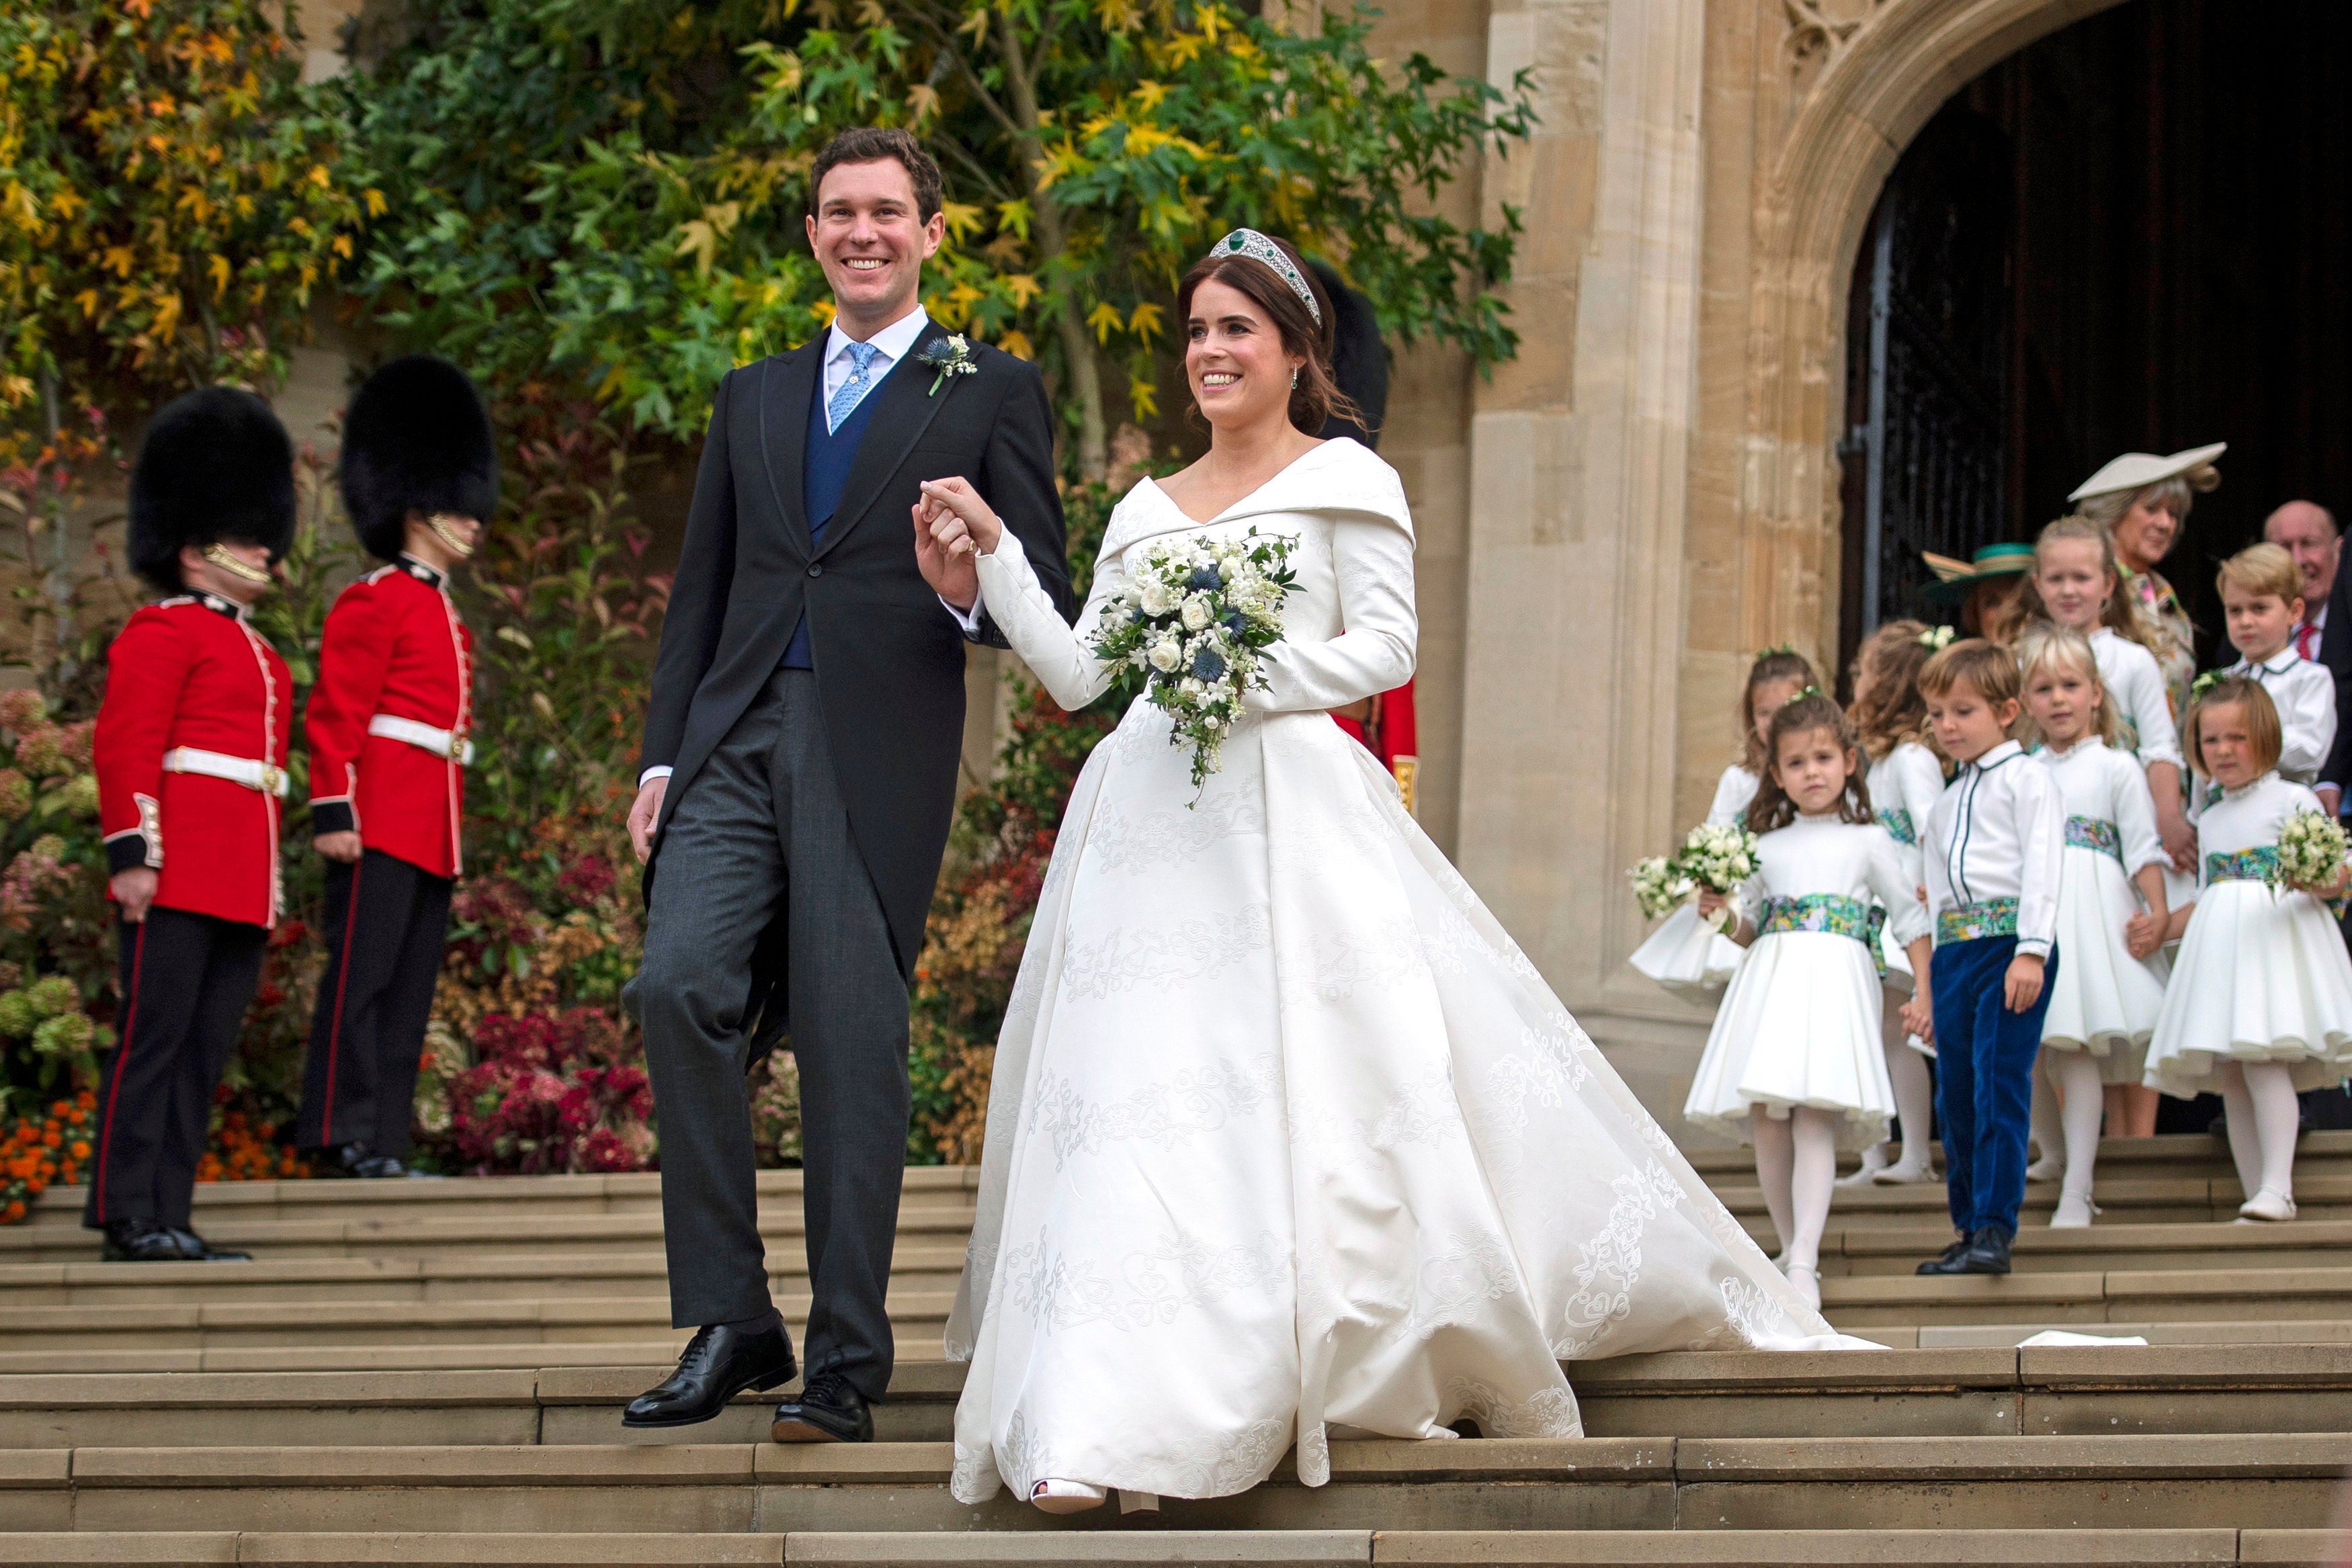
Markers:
<point>1988,1251</point>
<point>721,1362</point>
<point>141,1241</point>
<point>1950,1263</point>
<point>354,1159</point>
<point>829,1410</point>
<point>196,1246</point>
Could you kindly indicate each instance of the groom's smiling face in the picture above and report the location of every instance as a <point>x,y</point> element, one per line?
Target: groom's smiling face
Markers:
<point>872,242</point>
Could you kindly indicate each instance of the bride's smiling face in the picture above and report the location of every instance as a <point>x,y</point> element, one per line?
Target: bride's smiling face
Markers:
<point>1233,358</point>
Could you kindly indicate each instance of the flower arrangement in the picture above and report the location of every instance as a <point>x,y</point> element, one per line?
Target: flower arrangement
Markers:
<point>1195,621</point>
<point>244,1151</point>
<point>1659,887</point>
<point>951,356</point>
<point>38,1151</point>
<point>1718,859</point>
<point>2312,847</point>
<point>551,1093</point>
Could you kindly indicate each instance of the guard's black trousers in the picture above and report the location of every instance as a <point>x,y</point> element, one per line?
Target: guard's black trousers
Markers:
<point>386,924</point>
<point>184,982</point>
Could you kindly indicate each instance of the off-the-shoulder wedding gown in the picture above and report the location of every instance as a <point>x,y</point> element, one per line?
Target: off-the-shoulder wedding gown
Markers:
<point>1286,1135</point>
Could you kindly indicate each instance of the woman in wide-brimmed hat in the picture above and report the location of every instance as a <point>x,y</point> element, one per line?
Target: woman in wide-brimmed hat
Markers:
<point>2143,501</point>
<point>1984,586</point>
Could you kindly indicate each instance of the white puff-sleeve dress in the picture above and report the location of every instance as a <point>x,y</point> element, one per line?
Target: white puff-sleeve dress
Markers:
<point>2261,974</point>
<point>2104,1000</point>
<point>1904,786</point>
<point>1800,1025</point>
<point>1683,955</point>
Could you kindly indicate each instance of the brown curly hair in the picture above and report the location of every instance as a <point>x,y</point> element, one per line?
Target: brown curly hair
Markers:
<point>1891,712</point>
<point>1808,712</point>
<point>1316,396</point>
<point>1772,667</point>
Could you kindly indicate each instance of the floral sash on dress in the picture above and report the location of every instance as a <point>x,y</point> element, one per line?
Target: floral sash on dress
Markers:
<point>1975,922</point>
<point>1832,913</point>
<point>2095,834</point>
<point>1897,823</point>
<point>2257,864</point>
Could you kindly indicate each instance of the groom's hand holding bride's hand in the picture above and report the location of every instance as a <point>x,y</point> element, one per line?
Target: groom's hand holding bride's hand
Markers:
<point>953,528</point>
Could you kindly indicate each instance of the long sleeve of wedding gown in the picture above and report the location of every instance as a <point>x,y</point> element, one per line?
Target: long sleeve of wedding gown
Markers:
<point>1371,564</point>
<point>1056,653</point>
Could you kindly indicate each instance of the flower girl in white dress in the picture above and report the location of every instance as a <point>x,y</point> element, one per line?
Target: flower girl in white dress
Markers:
<point>1685,955</point>
<point>1286,1135</point>
<point>1796,1048</point>
<point>2112,908</point>
<point>2261,1001</point>
<point>1906,779</point>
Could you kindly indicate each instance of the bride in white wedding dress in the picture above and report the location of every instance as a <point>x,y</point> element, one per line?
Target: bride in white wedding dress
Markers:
<point>1287,1140</point>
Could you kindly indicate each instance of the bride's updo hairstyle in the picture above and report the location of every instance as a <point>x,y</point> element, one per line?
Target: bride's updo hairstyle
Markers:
<point>1318,395</point>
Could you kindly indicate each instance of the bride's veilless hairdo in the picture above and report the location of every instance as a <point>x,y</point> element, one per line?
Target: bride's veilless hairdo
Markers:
<point>1318,395</point>
<point>1772,810</point>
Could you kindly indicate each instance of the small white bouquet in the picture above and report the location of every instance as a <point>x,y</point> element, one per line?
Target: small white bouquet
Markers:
<point>1196,617</point>
<point>1658,887</point>
<point>2311,849</point>
<point>1719,859</point>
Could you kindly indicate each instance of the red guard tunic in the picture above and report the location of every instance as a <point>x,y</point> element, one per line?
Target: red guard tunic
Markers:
<point>388,719</point>
<point>190,753</point>
<point>1388,731</point>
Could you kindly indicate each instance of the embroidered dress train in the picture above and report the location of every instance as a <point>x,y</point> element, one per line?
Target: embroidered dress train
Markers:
<point>1287,1138</point>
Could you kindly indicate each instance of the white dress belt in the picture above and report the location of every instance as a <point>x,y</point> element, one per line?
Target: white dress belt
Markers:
<point>439,742</point>
<point>249,771</point>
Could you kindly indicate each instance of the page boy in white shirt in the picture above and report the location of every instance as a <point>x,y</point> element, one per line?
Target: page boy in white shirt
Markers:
<point>2262,596</point>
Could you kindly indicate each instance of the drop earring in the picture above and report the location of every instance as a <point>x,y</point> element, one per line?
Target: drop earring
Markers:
<point>1294,381</point>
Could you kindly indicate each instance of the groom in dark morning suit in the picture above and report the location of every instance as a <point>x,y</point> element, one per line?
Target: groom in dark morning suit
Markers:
<point>798,776</point>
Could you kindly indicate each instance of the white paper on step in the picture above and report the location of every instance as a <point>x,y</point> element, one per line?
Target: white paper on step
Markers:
<point>2062,1336</point>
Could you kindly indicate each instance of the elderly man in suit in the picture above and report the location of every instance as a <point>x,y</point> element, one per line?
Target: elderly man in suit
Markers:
<point>798,777</point>
<point>2307,531</point>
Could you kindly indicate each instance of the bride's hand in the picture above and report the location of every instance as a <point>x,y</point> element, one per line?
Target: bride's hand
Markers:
<point>960,520</point>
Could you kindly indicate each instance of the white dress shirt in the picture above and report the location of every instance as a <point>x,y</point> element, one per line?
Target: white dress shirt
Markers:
<point>1997,832</point>
<point>2304,694</point>
<point>2136,686</point>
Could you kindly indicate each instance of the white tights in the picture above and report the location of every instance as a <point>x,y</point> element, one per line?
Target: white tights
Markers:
<point>2264,1120</point>
<point>1914,1092</point>
<point>1796,1163</point>
<point>2076,1075</point>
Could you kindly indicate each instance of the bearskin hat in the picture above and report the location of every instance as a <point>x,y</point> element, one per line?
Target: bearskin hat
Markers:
<point>214,464</point>
<point>1359,362</point>
<point>415,439</point>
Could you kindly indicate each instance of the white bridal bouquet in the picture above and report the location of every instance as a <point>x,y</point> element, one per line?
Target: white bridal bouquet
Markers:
<point>1196,619</point>
<point>1658,887</point>
<point>1717,858</point>
<point>2311,849</point>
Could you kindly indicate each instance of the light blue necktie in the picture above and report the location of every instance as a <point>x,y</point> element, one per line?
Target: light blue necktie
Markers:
<point>852,391</point>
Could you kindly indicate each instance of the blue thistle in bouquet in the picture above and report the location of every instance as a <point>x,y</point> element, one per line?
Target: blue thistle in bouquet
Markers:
<point>1196,617</point>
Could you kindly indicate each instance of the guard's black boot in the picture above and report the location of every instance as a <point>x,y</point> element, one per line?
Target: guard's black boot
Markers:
<point>829,1410</point>
<point>141,1241</point>
<point>202,1252</point>
<point>721,1362</point>
<point>354,1159</point>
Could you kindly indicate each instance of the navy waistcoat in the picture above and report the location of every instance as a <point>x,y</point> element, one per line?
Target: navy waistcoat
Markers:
<point>825,459</point>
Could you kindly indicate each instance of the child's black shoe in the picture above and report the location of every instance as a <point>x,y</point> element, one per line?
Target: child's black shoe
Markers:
<point>1988,1253</point>
<point>1950,1263</point>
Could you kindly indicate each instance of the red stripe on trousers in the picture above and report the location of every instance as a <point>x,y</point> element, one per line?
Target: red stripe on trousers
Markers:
<point>335,1029</point>
<point>122,1056</point>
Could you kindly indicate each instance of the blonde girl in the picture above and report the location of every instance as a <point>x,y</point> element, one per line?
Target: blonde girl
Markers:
<point>2112,911</point>
<point>1682,954</point>
<point>1795,1055</point>
<point>1904,780</point>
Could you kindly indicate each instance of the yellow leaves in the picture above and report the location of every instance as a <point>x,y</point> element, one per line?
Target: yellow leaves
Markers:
<point>1105,319</point>
<point>1017,344</point>
<point>922,101</point>
<point>974,24</point>
<point>1145,322</point>
<point>372,200</point>
<point>822,310</point>
<point>1143,397</point>
<point>167,316</point>
<point>700,237</point>
<point>87,300</point>
<point>341,246</point>
<point>218,267</point>
<point>320,177</point>
<point>1142,139</point>
<point>1148,95</point>
<point>1185,47</point>
<point>1117,16</point>
<point>964,220</point>
<point>872,14</point>
<point>1063,160</point>
<point>606,390</point>
<point>18,203</point>
<point>121,259</point>
<point>1024,288</point>
<point>1014,216</point>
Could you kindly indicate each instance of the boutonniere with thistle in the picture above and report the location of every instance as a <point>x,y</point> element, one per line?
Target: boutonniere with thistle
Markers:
<point>951,356</point>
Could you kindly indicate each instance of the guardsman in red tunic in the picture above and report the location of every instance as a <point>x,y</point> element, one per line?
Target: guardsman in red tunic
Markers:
<point>190,753</point>
<point>387,727</point>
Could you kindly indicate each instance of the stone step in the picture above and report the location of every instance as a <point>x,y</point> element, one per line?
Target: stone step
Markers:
<point>2036,1392</point>
<point>2096,1483</point>
<point>2152,1200</point>
<point>637,1192</point>
<point>2106,1245</point>
<point>2203,1154</point>
<point>2053,1297</point>
<point>1256,1549</point>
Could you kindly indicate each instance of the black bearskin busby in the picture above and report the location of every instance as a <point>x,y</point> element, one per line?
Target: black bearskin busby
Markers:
<point>415,440</point>
<point>214,464</point>
<point>1359,362</point>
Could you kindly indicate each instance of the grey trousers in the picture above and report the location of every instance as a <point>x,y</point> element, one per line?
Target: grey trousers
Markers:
<point>762,830</point>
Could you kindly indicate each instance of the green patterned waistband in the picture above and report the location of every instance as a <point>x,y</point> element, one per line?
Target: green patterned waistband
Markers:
<point>1832,913</point>
<point>1899,823</point>
<point>2095,834</point>
<point>1974,922</point>
<point>2257,864</point>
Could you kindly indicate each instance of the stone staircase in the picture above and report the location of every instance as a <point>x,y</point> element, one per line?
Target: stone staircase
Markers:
<point>432,1373</point>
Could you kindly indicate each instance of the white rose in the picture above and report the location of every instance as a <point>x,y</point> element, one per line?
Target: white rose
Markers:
<point>1228,568</point>
<point>1165,654</point>
<point>1159,599</point>
<point>1196,614</point>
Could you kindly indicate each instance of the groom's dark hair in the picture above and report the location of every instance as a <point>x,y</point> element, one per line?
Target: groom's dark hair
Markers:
<point>872,144</point>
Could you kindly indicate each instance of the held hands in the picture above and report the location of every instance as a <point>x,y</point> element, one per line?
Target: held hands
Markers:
<point>134,890</point>
<point>2180,838</point>
<point>1919,1016</point>
<point>2021,987</point>
<point>341,848</point>
<point>953,527</point>
<point>2144,934</point>
<point>645,813</point>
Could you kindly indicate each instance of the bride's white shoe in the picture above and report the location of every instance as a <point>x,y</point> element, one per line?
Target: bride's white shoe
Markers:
<point>1053,1495</point>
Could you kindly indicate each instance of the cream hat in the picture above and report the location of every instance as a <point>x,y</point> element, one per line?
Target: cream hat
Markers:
<point>2138,470</point>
